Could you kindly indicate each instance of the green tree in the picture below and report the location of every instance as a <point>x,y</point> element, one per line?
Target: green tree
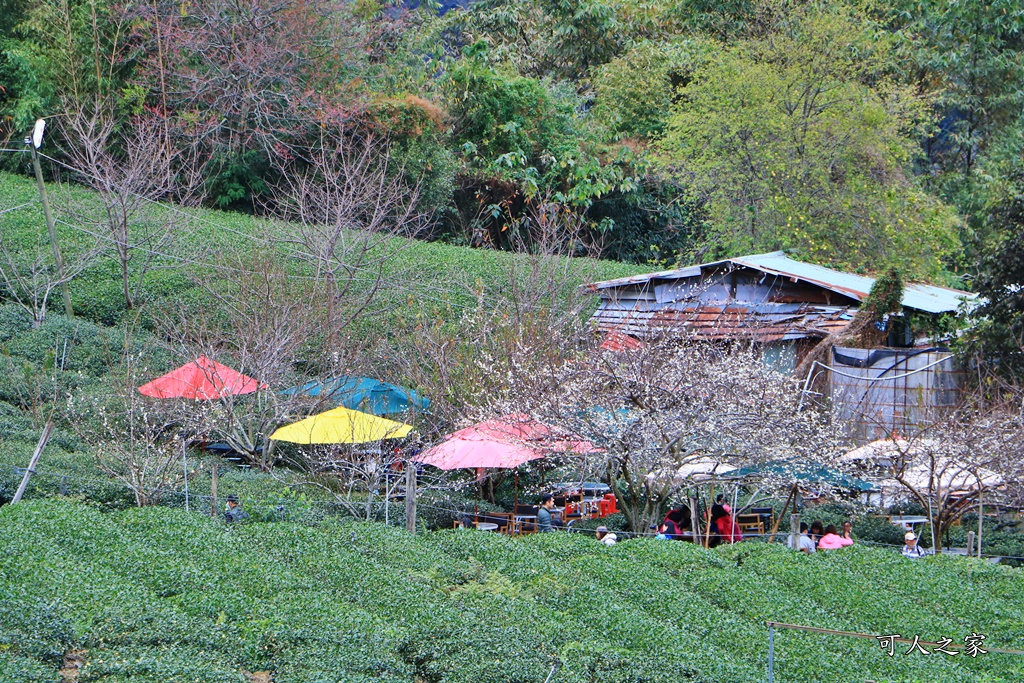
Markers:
<point>523,143</point>
<point>800,140</point>
<point>995,341</point>
<point>635,92</point>
<point>61,56</point>
<point>971,55</point>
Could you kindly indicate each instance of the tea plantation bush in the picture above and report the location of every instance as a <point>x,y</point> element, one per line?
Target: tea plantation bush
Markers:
<point>161,595</point>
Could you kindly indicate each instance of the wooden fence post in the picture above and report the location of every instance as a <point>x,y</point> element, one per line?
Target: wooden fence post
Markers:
<point>410,497</point>
<point>33,462</point>
<point>213,489</point>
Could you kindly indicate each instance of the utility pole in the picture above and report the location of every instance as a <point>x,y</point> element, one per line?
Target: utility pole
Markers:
<point>794,531</point>
<point>981,514</point>
<point>34,143</point>
<point>184,466</point>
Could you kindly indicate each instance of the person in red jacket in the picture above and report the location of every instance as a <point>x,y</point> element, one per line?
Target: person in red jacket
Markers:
<point>726,529</point>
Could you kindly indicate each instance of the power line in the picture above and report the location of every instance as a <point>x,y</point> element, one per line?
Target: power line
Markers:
<point>265,241</point>
<point>15,208</point>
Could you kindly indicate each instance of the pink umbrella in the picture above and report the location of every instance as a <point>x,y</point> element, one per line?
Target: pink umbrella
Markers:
<point>503,442</point>
<point>455,454</point>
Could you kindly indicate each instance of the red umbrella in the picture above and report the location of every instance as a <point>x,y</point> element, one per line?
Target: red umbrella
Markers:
<point>203,380</point>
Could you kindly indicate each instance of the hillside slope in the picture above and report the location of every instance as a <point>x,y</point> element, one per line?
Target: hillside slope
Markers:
<point>416,279</point>
<point>161,595</point>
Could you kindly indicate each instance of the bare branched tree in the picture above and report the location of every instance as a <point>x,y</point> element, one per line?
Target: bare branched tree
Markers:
<point>347,200</point>
<point>661,409</point>
<point>266,324</point>
<point>30,276</point>
<point>130,167</point>
<point>953,460</point>
<point>357,476</point>
<point>524,325</point>
<point>134,439</point>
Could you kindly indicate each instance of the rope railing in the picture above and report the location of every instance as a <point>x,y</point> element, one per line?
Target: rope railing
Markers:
<point>333,507</point>
<point>970,647</point>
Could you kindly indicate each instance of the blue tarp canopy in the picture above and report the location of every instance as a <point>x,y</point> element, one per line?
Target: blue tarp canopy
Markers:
<point>365,394</point>
<point>810,472</point>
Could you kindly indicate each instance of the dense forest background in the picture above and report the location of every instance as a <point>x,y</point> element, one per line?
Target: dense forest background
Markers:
<point>859,134</point>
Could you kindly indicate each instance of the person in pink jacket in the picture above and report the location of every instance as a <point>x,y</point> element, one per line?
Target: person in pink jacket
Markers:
<point>832,540</point>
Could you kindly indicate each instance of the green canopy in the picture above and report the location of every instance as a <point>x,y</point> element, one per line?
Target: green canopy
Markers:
<point>810,472</point>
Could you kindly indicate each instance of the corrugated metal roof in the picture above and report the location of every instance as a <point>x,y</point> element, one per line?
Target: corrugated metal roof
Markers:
<point>617,341</point>
<point>917,296</point>
<point>761,322</point>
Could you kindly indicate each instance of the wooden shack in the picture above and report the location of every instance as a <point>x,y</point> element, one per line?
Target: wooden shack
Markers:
<point>786,307</point>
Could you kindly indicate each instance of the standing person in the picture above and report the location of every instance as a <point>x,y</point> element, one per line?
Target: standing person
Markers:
<point>233,512</point>
<point>848,531</point>
<point>727,531</point>
<point>832,540</point>
<point>910,547</point>
<point>607,537</point>
<point>803,541</point>
<point>547,501</point>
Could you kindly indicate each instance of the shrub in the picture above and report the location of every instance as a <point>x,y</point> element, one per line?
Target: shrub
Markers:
<point>158,594</point>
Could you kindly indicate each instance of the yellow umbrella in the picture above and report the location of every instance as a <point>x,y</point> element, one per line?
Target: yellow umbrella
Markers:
<point>341,425</point>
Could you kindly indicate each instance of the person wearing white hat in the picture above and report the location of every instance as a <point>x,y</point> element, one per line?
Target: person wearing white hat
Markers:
<point>910,547</point>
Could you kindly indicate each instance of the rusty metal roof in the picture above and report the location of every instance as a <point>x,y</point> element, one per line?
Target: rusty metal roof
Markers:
<point>917,296</point>
<point>617,341</point>
<point>766,322</point>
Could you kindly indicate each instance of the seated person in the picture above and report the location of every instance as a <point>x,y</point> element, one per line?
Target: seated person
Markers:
<point>817,531</point>
<point>669,528</point>
<point>803,541</point>
<point>607,537</point>
<point>544,518</point>
<point>681,518</point>
<point>832,540</point>
<point>660,531</point>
